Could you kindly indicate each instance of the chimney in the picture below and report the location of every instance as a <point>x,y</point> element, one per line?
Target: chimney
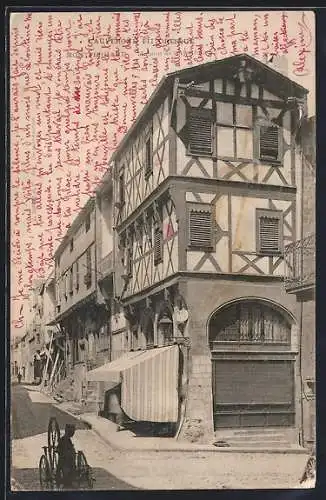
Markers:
<point>279,63</point>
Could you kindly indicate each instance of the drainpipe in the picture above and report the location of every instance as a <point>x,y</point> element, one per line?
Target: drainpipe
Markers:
<point>301,431</point>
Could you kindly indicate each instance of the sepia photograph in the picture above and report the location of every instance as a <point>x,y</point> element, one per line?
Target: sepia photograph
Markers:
<point>162,250</point>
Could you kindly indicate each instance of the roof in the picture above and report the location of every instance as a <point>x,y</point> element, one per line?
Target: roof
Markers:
<point>77,222</point>
<point>274,81</point>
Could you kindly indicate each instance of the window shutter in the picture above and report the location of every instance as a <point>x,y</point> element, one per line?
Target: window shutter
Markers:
<point>77,275</point>
<point>149,156</point>
<point>269,143</point>
<point>200,228</point>
<point>121,188</point>
<point>71,282</point>
<point>129,261</point>
<point>158,245</point>
<point>200,131</point>
<point>269,233</point>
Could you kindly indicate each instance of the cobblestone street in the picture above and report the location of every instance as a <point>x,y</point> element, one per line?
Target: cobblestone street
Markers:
<point>146,470</point>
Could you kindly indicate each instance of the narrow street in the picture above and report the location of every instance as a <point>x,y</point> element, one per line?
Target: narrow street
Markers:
<point>129,470</point>
<point>31,412</point>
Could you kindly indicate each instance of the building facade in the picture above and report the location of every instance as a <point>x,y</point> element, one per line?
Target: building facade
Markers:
<point>172,276</point>
<point>205,189</point>
<point>300,278</point>
<point>79,316</point>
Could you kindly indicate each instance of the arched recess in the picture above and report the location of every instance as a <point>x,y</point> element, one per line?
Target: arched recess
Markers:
<point>253,377</point>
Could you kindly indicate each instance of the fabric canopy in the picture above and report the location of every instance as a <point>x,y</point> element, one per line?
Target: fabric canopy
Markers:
<point>149,383</point>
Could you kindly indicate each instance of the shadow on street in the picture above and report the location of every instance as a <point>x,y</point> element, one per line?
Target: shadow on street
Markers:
<point>30,419</point>
<point>28,479</point>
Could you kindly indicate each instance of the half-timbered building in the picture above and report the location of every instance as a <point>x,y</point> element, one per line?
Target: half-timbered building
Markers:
<point>80,317</point>
<point>205,186</point>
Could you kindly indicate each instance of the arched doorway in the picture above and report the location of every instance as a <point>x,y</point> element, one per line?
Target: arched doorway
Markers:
<point>252,365</point>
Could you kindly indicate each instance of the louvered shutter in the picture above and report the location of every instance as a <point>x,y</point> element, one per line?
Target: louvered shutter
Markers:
<point>200,131</point>
<point>269,146</point>
<point>200,228</point>
<point>269,234</point>
<point>158,245</point>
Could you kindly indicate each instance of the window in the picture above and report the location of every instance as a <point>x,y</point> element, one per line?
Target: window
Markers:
<point>200,224</point>
<point>77,275</point>
<point>88,275</point>
<point>268,143</point>
<point>38,339</point>
<point>251,322</point>
<point>129,260</point>
<point>121,188</point>
<point>200,131</point>
<point>149,156</point>
<point>234,130</point>
<point>87,223</point>
<point>269,225</point>
<point>71,283</point>
<point>158,245</point>
<point>71,244</point>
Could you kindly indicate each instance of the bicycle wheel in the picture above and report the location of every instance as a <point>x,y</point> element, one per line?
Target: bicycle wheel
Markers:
<point>45,474</point>
<point>84,471</point>
<point>53,441</point>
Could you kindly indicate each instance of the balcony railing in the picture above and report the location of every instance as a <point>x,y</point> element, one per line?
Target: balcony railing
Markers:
<point>300,264</point>
<point>106,265</point>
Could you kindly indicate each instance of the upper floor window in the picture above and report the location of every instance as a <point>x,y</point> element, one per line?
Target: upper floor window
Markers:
<point>234,131</point>
<point>71,244</point>
<point>71,284</point>
<point>77,275</point>
<point>231,134</point>
<point>269,143</point>
<point>200,226</point>
<point>149,155</point>
<point>121,188</point>
<point>88,275</point>
<point>269,224</point>
<point>87,222</point>
<point>200,131</point>
<point>158,244</point>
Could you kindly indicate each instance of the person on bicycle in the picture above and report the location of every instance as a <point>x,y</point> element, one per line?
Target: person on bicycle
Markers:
<point>66,458</point>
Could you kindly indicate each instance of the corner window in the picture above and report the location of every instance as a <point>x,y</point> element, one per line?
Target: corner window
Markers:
<point>269,224</point>
<point>200,128</point>
<point>200,226</point>
<point>269,143</point>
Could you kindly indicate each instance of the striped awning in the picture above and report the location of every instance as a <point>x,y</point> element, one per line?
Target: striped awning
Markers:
<point>149,383</point>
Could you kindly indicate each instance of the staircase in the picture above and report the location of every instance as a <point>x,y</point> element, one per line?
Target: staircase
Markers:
<point>258,437</point>
<point>90,401</point>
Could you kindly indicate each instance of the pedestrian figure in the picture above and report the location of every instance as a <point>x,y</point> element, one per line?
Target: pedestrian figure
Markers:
<point>19,376</point>
<point>66,469</point>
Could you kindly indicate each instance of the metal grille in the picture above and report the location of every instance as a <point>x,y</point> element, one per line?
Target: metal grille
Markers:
<point>300,262</point>
<point>269,234</point>
<point>269,143</point>
<point>200,131</point>
<point>250,322</point>
<point>200,228</point>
